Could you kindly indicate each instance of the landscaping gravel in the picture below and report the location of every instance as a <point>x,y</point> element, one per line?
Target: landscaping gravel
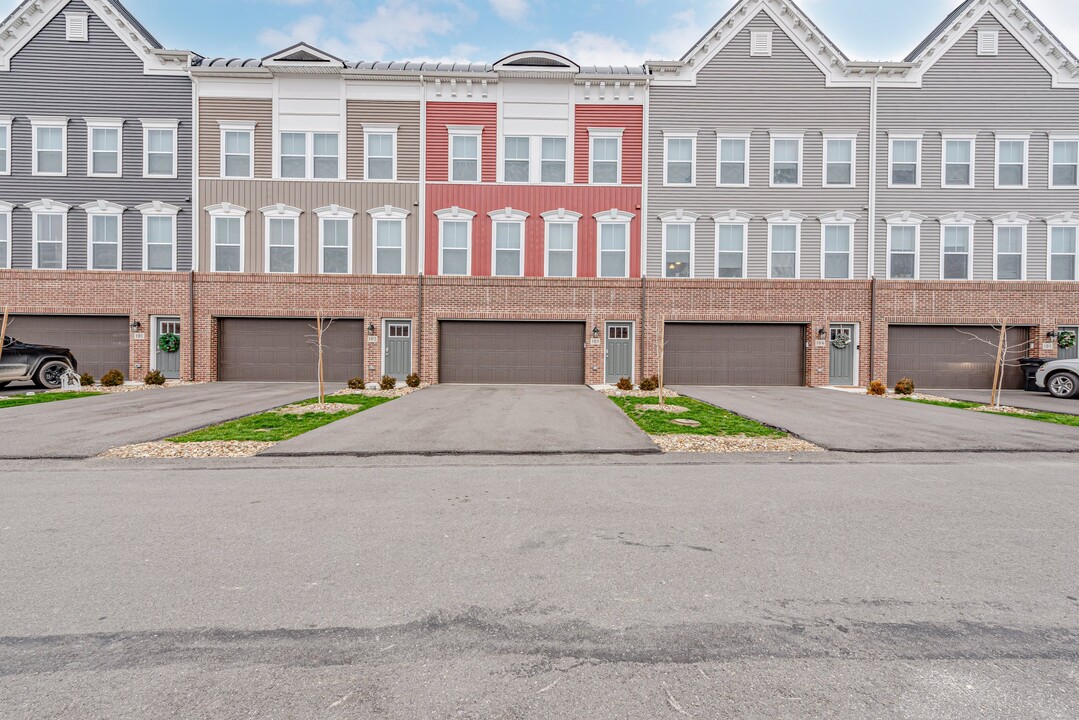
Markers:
<point>395,393</point>
<point>615,392</point>
<point>663,408</point>
<point>731,444</point>
<point>326,407</point>
<point>220,449</point>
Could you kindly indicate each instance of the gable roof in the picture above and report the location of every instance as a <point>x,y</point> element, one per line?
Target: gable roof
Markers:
<point>301,53</point>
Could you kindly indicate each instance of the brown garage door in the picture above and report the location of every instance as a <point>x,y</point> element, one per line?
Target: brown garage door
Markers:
<point>99,343</point>
<point>712,354</point>
<point>283,350</point>
<point>936,356</point>
<point>523,353</point>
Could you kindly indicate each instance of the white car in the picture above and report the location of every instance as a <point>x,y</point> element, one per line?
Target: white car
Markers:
<point>1059,377</point>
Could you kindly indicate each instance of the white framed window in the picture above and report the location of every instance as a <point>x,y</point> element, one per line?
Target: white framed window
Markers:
<point>1063,162</point>
<point>957,157</point>
<point>455,241</point>
<point>1009,258</point>
<point>905,161</point>
<point>380,148</point>
<point>159,236</point>
<point>786,161</point>
<point>5,235</point>
<point>159,142</point>
<point>335,239</point>
<point>553,164</point>
<point>466,153</point>
<point>237,149</point>
<point>105,147</point>
<point>227,227</point>
<point>680,159</point>
<point>605,156</point>
<point>732,167</point>
<point>784,246</point>
<point>5,144</point>
<point>612,233</point>
<point>679,235</point>
<point>560,243</point>
<point>104,235</point>
<point>837,246</point>
<point>732,229</point>
<point>516,154</point>
<point>903,252</point>
<point>49,230</point>
<point>508,242</point>
<point>307,156</point>
<point>293,153</point>
<point>1012,161</point>
<point>282,238</point>
<point>50,145</point>
<point>1063,246</point>
<point>388,230</point>
<point>326,156</point>
<point>839,160</point>
<point>957,246</point>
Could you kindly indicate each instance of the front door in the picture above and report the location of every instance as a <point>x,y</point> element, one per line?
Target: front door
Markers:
<point>1071,353</point>
<point>619,352</point>
<point>841,355</point>
<point>398,363</point>
<point>167,360</point>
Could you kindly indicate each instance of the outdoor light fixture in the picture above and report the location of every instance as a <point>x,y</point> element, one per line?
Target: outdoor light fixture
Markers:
<point>595,332</point>
<point>371,329</point>
<point>1052,334</point>
<point>820,333</point>
<point>135,325</point>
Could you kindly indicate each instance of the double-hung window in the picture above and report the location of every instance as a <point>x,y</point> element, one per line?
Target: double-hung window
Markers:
<point>159,236</point>
<point>612,229</point>
<point>465,154</point>
<point>677,250</point>
<point>517,167</point>
<point>560,235</point>
<point>1008,260</point>
<point>310,155</point>
<point>159,139</point>
<point>5,235</point>
<point>49,234</point>
<point>731,247</point>
<point>1062,252</point>
<point>786,161</point>
<point>733,165</point>
<point>958,156</point>
<point>606,156</point>
<point>227,223</point>
<point>1064,162</point>
<point>237,149</point>
<point>903,251</point>
<point>325,157</point>
<point>508,238</point>
<point>955,263</point>
<point>335,240</point>
<point>839,161</point>
<point>104,222</point>
<point>389,234</point>
<point>281,249</point>
<point>293,155</point>
<point>455,241</point>
<point>905,161</point>
<point>105,147</point>
<point>380,148</point>
<point>838,258</point>
<point>50,145</point>
<point>1012,161</point>
<point>680,159</point>
<point>5,144</point>
<point>553,160</point>
<point>783,252</point>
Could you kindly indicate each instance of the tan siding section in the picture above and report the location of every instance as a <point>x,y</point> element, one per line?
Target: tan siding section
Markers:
<point>308,196</point>
<point>404,114</point>
<point>213,111</point>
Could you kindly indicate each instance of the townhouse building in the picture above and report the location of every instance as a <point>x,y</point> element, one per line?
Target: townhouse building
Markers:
<point>764,210</point>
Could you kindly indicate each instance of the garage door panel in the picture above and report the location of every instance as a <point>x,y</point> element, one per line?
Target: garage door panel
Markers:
<point>734,354</point>
<point>284,350</point>
<point>511,353</point>
<point>99,343</point>
<point>959,357</point>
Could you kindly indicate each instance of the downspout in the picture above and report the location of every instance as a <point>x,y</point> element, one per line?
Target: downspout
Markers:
<point>422,220</point>
<point>419,333</point>
<point>191,319</point>
<point>644,324</point>
<point>872,211</point>
<point>872,328</point>
<point>196,217</point>
<point>645,144</point>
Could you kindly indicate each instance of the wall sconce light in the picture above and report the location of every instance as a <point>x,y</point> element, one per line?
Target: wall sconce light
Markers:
<point>371,329</point>
<point>1052,334</point>
<point>820,333</point>
<point>595,332</point>
<point>135,325</point>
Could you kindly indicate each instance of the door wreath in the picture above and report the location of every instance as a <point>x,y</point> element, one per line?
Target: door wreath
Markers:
<point>168,343</point>
<point>1066,340</point>
<point>841,341</point>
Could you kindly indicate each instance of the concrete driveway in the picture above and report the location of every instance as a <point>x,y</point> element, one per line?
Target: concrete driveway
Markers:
<point>480,420</point>
<point>857,423</point>
<point>1014,398</point>
<point>89,426</point>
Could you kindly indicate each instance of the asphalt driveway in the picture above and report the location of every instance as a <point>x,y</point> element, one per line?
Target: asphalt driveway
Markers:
<point>851,422</point>
<point>480,420</point>
<point>1014,398</point>
<point>89,426</point>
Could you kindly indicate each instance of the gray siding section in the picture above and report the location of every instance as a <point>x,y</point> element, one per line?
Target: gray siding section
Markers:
<point>100,78</point>
<point>968,94</point>
<point>740,94</point>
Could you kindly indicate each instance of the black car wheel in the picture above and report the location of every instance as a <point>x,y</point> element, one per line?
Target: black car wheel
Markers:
<point>50,374</point>
<point>1064,385</point>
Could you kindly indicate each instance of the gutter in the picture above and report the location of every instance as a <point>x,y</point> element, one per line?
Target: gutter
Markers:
<point>872,212</point>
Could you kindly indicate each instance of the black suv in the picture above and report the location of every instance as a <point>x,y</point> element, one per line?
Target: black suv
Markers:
<point>43,364</point>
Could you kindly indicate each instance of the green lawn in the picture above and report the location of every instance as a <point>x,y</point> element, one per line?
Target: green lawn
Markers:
<point>1049,417</point>
<point>42,397</point>
<point>713,420</point>
<point>274,427</point>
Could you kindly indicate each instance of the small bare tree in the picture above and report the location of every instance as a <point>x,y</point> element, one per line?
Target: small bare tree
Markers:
<point>3,332</point>
<point>661,346</point>
<point>320,328</point>
<point>1001,352</point>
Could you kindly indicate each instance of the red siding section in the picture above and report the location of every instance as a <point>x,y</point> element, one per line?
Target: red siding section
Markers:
<point>441,114</point>
<point>533,199</point>
<point>628,117</point>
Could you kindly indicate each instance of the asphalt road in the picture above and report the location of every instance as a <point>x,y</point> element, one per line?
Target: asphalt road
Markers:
<point>936,587</point>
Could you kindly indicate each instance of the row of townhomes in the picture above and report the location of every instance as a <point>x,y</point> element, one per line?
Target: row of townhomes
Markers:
<point>778,213</point>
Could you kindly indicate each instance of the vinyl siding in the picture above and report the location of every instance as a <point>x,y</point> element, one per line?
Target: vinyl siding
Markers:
<point>404,114</point>
<point>214,111</point>
<point>739,94</point>
<point>964,93</point>
<point>442,114</point>
<point>100,78</point>
<point>307,196</point>
<point>630,118</point>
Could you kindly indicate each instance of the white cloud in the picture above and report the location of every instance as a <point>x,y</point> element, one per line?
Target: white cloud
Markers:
<point>589,48</point>
<point>1061,17</point>
<point>511,10</point>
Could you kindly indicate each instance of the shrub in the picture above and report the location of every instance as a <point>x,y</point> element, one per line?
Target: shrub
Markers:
<point>413,380</point>
<point>624,384</point>
<point>877,387</point>
<point>650,383</point>
<point>905,386</point>
<point>86,379</point>
<point>387,382</point>
<point>113,378</point>
<point>356,383</point>
<point>154,377</point>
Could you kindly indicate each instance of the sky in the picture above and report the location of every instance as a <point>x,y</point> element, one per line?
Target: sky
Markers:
<point>590,32</point>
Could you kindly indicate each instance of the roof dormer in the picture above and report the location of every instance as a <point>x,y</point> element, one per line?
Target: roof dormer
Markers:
<point>302,54</point>
<point>537,61</point>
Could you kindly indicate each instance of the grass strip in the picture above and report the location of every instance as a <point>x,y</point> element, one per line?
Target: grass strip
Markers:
<point>275,427</point>
<point>714,421</point>
<point>1047,417</point>
<point>42,397</point>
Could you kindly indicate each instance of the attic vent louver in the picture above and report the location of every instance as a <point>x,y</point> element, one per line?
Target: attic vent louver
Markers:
<point>760,44</point>
<point>77,27</point>
<point>988,42</point>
